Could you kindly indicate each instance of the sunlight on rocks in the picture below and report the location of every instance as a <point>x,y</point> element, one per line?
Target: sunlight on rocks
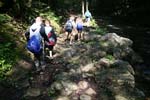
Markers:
<point>83,84</point>
<point>63,98</point>
<point>33,92</point>
<point>90,91</point>
<point>85,97</point>
<point>119,97</point>
<point>89,67</point>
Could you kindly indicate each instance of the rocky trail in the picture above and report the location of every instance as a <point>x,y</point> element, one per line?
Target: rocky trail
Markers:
<point>98,68</point>
<point>63,76</point>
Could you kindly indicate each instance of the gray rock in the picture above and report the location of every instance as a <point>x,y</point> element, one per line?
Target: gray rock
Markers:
<point>66,92</point>
<point>70,85</point>
<point>33,92</point>
<point>102,53</point>
<point>90,91</point>
<point>69,52</point>
<point>85,97</point>
<point>62,98</point>
<point>83,84</point>
<point>122,52</point>
<point>65,87</point>
<point>74,98</point>
<point>105,62</point>
<point>123,65</point>
<point>90,36</point>
<point>116,45</point>
<point>119,97</point>
<point>25,64</point>
<point>88,67</point>
<point>115,39</point>
<point>24,83</point>
<point>58,86</point>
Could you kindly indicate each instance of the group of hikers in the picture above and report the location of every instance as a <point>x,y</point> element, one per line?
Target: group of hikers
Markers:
<point>41,37</point>
<point>74,26</point>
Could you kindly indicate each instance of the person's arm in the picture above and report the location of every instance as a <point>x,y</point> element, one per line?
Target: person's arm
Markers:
<point>54,34</point>
<point>27,34</point>
<point>74,27</point>
<point>42,32</point>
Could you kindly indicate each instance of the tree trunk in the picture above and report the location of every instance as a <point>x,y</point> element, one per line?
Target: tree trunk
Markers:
<point>83,8</point>
<point>87,5</point>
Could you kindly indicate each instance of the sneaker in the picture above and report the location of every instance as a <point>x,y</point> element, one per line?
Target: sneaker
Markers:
<point>37,63</point>
<point>70,43</point>
<point>50,54</point>
<point>43,67</point>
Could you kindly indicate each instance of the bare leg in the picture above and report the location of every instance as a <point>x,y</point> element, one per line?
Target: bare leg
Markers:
<point>79,36</point>
<point>82,35</point>
<point>71,38</point>
<point>37,61</point>
<point>67,35</point>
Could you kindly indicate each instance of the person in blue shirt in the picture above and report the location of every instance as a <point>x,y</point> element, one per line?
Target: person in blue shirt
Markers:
<point>88,17</point>
<point>34,36</point>
<point>79,27</point>
<point>70,29</point>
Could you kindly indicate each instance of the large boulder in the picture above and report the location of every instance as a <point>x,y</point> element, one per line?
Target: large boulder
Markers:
<point>119,47</point>
<point>117,80</point>
<point>95,67</point>
<point>91,36</point>
<point>116,40</point>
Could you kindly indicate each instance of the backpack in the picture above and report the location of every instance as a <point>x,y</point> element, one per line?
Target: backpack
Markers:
<point>51,36</point>
<point>34,45</point>
<point>69,25</point>
<point>87,14</point>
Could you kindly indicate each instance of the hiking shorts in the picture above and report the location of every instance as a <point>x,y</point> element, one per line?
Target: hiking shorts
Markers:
<point>88,19</point>
<point>50,47</point>
<point>80,29</point>
<point>69,30</point>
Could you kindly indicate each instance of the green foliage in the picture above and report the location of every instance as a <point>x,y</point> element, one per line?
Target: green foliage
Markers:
<point>110,57</point>
<point>4,18</point>
<point>93,23</point>
<point>68,5</point>
<point>50,15</point>
<point>1,4</point>
<point>7,58</point>
<point>91,42</point>
<point>98,29</point>
<point>101,30</point>
<point>43,10</point>
<point>8,52</point>
<point>51,93</point>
